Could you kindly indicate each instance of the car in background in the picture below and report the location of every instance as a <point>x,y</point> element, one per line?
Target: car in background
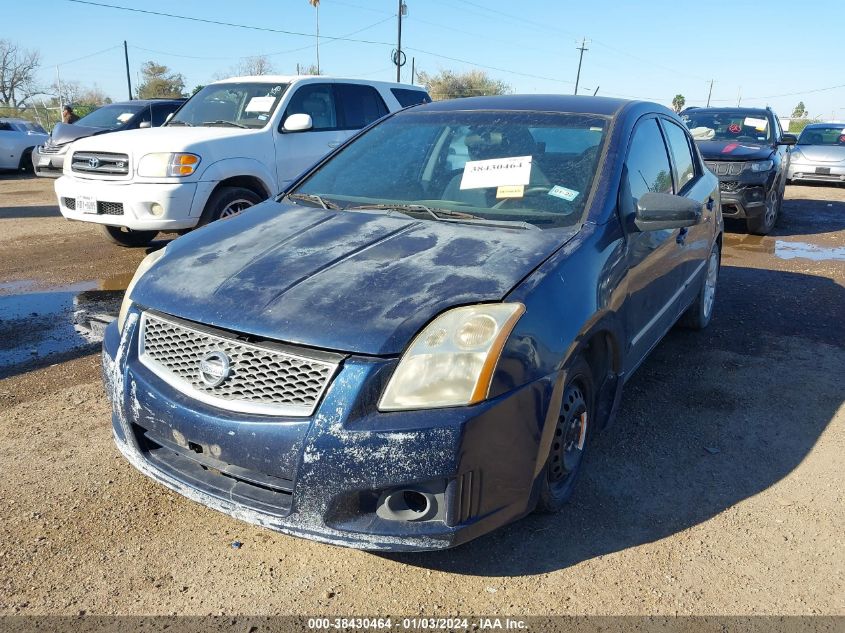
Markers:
<point>819,155</point>
<point>18,139</point>
<point>235,143</point>
<point>48,159</point>
<point>749,152</point>
<point>405,352</point>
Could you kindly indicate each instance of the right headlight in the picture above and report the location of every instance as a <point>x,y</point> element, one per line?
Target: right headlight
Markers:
<point>451,361</point>
<point>168,165</point>
<point>143,267</point>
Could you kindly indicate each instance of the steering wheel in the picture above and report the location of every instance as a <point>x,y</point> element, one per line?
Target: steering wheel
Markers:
<point>529,191</point>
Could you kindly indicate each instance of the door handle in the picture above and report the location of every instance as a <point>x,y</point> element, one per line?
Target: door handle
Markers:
<point>710,202</point>
<point>682,236</point>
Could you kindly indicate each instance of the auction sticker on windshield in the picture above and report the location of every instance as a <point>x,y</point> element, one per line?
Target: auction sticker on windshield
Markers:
<point>758,124</point>
<point>260,104</point>
<point>496,172</point>
<point>510,191</point>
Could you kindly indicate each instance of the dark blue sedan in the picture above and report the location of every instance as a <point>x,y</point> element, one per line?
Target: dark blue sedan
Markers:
<point>413,345</point>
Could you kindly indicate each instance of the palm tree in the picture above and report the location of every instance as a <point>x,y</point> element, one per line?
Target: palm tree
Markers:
<point>316,5</point>
<point>678,103</point>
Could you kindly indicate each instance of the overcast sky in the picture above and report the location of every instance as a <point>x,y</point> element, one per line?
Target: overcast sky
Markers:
<point>759,52</point>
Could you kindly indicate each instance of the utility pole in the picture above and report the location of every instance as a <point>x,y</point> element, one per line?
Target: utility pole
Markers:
<point>581,48</point>
<point>709,93</point>
<point>128,78</point>
<point>413,70</point>
<point>739,97</point>
<point>403,10</point>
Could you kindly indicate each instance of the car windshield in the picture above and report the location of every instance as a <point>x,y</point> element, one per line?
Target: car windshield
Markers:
<point>505,167</point>
<point>111,116</point>
<point>26,126</point>
<point>728,125</point>
<point>827,135</point>
<point>246,105</point>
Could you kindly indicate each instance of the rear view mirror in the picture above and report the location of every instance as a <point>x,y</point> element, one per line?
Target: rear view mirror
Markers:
<point>788,139</point>
<point>659,211</point>
<point>144,124</point>
<point>298,123</point>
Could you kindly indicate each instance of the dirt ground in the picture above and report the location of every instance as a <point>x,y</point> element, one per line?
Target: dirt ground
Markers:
<point>718,491</point>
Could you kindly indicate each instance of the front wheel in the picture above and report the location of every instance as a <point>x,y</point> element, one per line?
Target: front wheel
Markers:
<point>127,237</point>
<point>699,314</point>
<point>569,443</point>
<point>764,223</point>
<point>228,202</point>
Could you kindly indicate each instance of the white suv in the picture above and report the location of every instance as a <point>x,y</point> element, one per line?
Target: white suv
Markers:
<point>233,144</point>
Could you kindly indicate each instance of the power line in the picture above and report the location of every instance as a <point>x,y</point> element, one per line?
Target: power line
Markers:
<point>77,59</point>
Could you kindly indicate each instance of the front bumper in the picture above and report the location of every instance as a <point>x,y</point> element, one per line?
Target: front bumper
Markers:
<point>744,196</point>
<point>320,477</point>
<point>817,172</point>
<point>130,204</point>
<point>47,165</point>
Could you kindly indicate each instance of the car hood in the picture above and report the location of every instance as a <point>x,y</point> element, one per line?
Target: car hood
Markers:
<point>348,281</point>
<point>822,153</point>
<point>724,150</point>
<point>161,139</point>
<point>67,132</point>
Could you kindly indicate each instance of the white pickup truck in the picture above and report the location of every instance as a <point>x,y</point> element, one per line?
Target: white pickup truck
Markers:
<point>233,144</point>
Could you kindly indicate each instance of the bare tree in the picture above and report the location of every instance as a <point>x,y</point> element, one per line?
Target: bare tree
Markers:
<point>17,74</point>
<point>257,65</point>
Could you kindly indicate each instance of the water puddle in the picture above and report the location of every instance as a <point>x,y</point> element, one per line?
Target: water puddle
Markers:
<point>38,323</point>
<point>782,249</point>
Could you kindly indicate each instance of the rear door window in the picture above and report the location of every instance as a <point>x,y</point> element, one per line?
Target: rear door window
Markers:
<point>360,105</point>
<point>407,97</point>
<point>316,100</point>
<point>160,112</point>
<point>682,156</point>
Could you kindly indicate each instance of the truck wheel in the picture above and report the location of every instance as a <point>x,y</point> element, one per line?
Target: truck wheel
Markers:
<point>569,443</point>
<point>698,315</point>
<point>127,237</point>
<point>227,202</point>
<point>763,224</point>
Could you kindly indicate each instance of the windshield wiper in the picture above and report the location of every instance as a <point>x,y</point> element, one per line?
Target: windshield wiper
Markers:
<point>174,122</point>
<point>313,197</point>
<point>221,122</point>
<point>435,213</point>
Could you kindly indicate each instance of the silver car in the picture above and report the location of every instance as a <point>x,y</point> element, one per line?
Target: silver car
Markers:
<point>819,155</point>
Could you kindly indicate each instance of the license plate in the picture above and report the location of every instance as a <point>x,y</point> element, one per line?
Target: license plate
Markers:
<point>823,170</point>
<point>86,204</point>
<point>43,161</point>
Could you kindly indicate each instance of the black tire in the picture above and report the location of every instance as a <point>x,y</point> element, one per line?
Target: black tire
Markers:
<point>570,441</point>
<point>700,313</point>
<point>763,224</point>
<point>26,165</point>
<point>228,202</point>
<point>127,237</point>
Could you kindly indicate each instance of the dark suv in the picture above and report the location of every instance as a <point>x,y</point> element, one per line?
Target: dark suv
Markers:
<point>747,149</point>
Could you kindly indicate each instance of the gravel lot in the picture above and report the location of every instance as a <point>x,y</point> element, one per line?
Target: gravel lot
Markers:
<point>718,491</point>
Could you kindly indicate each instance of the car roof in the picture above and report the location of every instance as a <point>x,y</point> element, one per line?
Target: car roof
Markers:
<point>287,79</point>
<point>604,106</point>
<point>820,124</point>
<point>143,102</point>
<point>732,109</point>
<point>7,120</point>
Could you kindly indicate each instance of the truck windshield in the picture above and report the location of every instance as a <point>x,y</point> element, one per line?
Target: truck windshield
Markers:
<point>728,125</point>
<point>247,105</point>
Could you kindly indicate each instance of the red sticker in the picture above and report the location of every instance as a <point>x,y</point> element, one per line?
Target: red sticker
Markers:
<point>727,149</point>
<point>842,139</point>
<point>734,128</point>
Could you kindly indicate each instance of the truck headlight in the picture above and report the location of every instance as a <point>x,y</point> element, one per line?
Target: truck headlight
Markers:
<point>167,165</point>
<point>451,361</point>
<point>143,267</point>
<point>761,166</point>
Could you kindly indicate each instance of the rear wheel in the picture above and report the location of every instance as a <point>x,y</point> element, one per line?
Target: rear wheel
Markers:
<point>570,440</point>
<point>127,237</point>
<point>764,223</point>
<point>228,202</point>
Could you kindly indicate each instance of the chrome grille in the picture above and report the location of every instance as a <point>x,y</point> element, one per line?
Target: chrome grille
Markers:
<point>50,149</point>
<point>265,378</point>
<point>108,163</point>
<point>725,168</point>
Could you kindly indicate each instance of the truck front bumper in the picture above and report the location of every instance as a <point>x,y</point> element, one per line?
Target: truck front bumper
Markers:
<point>136,205</point>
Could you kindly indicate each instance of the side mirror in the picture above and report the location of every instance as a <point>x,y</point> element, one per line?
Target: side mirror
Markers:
<point>659,211</point>
<point>144,124</point>
<point>788,139</point>
<point>298,123</point>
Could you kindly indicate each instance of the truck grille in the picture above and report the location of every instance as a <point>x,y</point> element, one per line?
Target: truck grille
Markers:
<point>103,208</point>
<point>725,168</point>
<point>266,378</point>
<point>107,163</point>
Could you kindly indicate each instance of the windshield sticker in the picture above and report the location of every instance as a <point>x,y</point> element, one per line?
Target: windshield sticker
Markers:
<point>510,191</point>
<point>276,90</point>
<point>124,117</point>
<point>562,192</point>
<point>758,124</point>
<point>734,128</point>
<point>496,172</point>
<point>260,104</point>
<point>262,117</point>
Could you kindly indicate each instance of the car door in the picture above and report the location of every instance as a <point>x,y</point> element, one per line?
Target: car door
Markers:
<point>295,151</point>
<point>161,112</point>
<point>689,180</point>
<point>655,267</point>
<point>358,106</point>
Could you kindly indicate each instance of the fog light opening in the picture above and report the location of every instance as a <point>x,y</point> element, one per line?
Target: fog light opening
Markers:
<point>156,209</point>
<point>407,505</point>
